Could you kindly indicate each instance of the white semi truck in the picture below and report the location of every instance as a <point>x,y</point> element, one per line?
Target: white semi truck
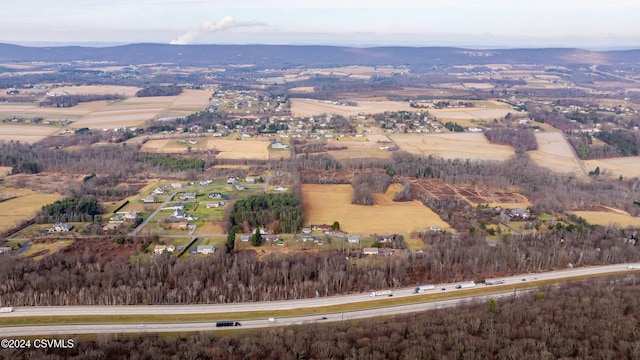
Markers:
<point>424,288</point>
<point>466,285</point>
<point>381,293</point>
<point>6,309</point>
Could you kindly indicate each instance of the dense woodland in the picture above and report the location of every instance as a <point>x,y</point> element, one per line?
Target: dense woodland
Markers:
<point>591,320</point>
<point>279,213</point>
<point>159,90</point>
<point>86,277</point>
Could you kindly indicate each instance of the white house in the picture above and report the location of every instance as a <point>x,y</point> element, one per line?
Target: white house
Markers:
<point>353,239</point>
<point>205,249</point>
<point>60,227</point>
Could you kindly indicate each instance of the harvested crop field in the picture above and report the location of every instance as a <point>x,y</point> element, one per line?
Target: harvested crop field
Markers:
<point>324,204</point>
<point>26,134</point>
<point>24,207</point>
<point>473,194</point>
<point>358,149</point>
<point>474,146</point>
<point>307,107</point>
<point>625,166</point>
<point>606,218</point>
<point>229,149</point>
<point>98,90</point>
<point>555,154</point>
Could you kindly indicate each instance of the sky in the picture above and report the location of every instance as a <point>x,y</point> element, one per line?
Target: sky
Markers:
<point>588,24</point>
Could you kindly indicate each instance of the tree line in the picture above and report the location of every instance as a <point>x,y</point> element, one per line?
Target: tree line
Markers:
<point>159,90</point>
<point>73,100</point>
<point>86,277</point>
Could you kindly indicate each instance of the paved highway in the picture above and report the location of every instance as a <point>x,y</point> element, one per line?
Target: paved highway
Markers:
<point>67,329</point>
<point>271,305</point>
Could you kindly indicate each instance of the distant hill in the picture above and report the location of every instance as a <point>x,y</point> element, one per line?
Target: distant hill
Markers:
<point>289,56</point>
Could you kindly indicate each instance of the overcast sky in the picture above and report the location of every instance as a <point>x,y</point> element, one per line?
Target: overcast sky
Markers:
<point>481,23</point>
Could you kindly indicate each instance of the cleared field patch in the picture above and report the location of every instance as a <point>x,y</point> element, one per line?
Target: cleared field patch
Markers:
<point>24,207</point>
<point>606,218</point>
<point>24,133</point>
<point>625,166</point>
<point>473,194</point>
<point>5,170</point>
<point>324,204</point>
<point>555,154</point>
<point>40,250</point>
<point>473,146</point>
<point>302,89</point>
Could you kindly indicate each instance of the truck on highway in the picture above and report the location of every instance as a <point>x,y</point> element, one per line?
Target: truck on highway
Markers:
<point>381,293</point>
<point>466,285</point>
<point>494,282</point>
<point>6,309</point>
<point>226,323</point>
<point>633,267</point>
<point>423,288</point>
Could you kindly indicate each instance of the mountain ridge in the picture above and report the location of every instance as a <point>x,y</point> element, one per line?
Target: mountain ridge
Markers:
<point>310,55</point>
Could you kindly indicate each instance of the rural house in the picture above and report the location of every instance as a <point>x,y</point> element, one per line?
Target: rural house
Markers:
<point>149,199</point>
<point>205,249</point>
<point>60,227</point>
<point>183,225</point>
<point>4,249</point>
<point>370,251</point>
<point>215,204</point>
<point>353,239</point>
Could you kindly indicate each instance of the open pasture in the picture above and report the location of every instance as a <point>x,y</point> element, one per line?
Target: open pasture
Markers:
<point>473,146</point>
<point>23,207</point>
<point>606,218</point>
<point>324,204</point>
<point>625,166</point>
<point>555,154</point>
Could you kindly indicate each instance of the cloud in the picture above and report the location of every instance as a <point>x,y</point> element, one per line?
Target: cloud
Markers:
<point>208,27</point>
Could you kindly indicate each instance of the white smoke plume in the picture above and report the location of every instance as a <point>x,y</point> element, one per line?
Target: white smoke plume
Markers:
<point>224,24</point>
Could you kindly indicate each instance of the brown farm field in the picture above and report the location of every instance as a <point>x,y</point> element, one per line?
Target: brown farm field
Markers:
<point>473,146</point>
<point>229,149</point>
<point>606,218</point>
<point>358,149</point>
<point>24,133</point>
<point>324,204</point>
<point>308,107</point>
<point>131,111</point>
<point>555,154</point>
<point>5,170</point>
